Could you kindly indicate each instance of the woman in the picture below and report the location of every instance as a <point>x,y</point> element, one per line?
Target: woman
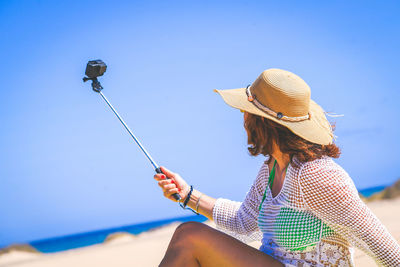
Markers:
<point>303,205</point>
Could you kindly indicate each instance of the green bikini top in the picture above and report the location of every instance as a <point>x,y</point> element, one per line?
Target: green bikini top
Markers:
<point>292,228</point>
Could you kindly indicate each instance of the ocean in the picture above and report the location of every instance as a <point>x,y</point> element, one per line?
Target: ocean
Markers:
<point>367,192</point>
<point>96,237</point>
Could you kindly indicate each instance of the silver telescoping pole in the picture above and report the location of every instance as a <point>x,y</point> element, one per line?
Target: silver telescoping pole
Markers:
<point>156,167</point>
<point>130,132</point>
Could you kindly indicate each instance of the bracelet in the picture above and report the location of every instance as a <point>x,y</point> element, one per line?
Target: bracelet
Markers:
<point>186,201</point>
<point>188,197</point>
<point>198,202</point>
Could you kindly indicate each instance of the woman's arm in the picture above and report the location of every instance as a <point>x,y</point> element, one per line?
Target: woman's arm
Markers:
<point>330,193</point>
<point>236,218</point>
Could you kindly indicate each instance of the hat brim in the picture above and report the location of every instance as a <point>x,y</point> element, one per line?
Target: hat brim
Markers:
<point>316,129</point>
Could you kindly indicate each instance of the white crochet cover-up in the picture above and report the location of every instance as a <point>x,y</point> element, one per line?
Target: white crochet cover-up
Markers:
<point>315,220</point>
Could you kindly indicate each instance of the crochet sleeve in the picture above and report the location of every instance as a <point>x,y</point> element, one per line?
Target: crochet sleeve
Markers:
<point>330,194</point>
<point>239,219</point>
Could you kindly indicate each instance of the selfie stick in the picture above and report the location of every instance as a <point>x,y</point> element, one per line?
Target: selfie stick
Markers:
<point>96,68</point>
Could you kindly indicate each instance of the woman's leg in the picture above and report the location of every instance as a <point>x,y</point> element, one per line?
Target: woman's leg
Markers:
<point>196,244</point>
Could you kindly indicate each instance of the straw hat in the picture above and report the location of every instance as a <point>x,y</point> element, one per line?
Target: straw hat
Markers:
<point>284,98</point>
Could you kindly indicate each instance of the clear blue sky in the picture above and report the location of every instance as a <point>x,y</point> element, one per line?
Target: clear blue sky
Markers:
<point>68,166</point>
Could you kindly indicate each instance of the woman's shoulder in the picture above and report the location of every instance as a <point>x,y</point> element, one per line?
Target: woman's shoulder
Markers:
<point>322,164</point>
<point>323,183</point>
<point>322,172</point>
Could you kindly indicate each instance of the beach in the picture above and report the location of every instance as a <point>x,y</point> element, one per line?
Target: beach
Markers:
<point>148,248</point>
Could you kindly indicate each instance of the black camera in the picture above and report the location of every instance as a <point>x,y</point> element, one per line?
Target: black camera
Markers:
<point>94,69</point>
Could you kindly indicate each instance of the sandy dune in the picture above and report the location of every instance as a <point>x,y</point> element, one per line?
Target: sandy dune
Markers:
<point>147,249</point>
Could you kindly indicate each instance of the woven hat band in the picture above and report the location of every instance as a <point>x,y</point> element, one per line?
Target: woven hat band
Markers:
<point>270,112</point>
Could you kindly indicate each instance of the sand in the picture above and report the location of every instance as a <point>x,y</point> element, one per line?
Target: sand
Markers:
<point>147,249</point>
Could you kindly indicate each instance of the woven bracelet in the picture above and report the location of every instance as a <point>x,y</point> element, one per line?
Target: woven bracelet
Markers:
<point>188,197</point>
<point>184,204</point>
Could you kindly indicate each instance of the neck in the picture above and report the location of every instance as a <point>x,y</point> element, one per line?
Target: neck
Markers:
<point>282,159</point>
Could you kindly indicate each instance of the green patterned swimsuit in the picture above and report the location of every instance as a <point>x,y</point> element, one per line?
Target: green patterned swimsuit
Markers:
<point>292,229</point>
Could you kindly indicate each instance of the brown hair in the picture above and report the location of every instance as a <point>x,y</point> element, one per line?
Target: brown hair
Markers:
<point>261,132</point>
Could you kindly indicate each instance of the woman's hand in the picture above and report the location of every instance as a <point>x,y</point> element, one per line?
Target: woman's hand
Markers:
<point>175,184</point>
